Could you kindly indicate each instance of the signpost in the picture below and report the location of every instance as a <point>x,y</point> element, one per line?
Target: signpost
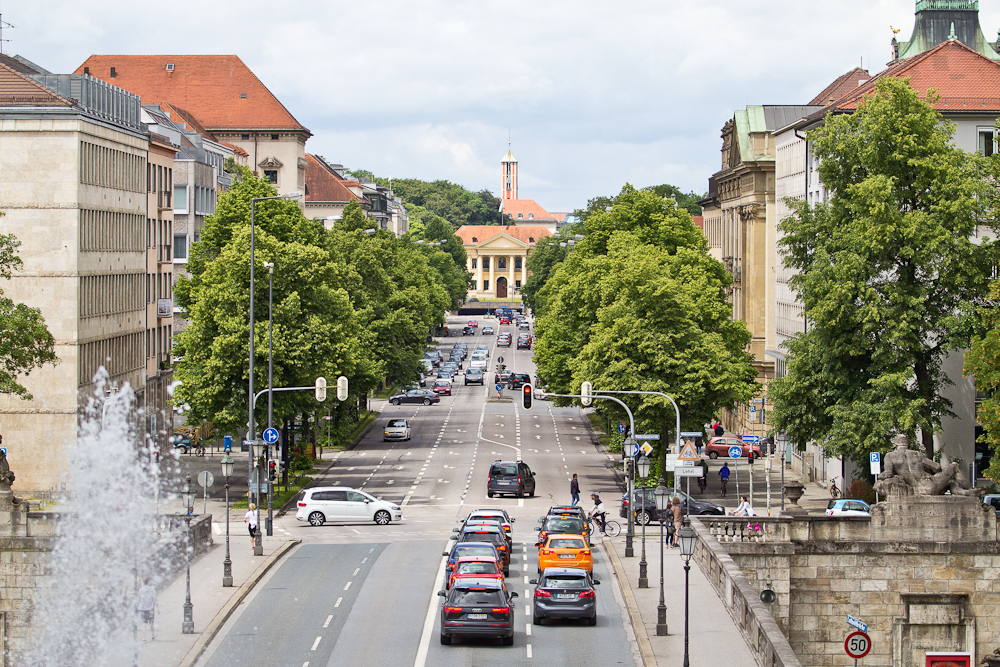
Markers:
<point>648,437</point>
<point>621,427</point>
<point>646,448</point>
<point>857,645</point>
<point>206,479</point>
<point>735,453</point>
<point>856,624</point>
<point>271,436</point>
<point>692,434</point>
<point>499,389</point>
<point>752,439</point>
<point>876,467</point>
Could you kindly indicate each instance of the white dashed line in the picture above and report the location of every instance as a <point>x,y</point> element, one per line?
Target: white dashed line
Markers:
<point>330,617</point>
<point>347,586</point>
<point>318,639</point>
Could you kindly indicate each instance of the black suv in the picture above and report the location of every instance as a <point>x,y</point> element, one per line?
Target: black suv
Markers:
<point>518,380</point>
<point>510,477</point>
<point>645,506</point>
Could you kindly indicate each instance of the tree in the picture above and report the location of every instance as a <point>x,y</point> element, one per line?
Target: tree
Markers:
<point>889,274</point>
<point>25,341</point>
<point>545,257</point>
<point>686,201</point>
<point>640,305</point>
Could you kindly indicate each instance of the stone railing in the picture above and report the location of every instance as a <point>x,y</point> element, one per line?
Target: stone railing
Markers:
<point>759,629</point>
<point>746,529</point>
<point>784,529</point>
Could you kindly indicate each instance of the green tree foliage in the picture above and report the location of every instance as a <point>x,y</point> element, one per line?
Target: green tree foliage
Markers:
<point>983,362</point>
<point>640,305</point>
<point>25,341</point>
<point>545,257</point>
<point>447,200</point>
<point>889,273</point>
<point>686,201</point>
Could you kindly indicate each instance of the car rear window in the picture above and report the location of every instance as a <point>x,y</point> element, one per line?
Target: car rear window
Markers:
<point>504,469</point>
<point>564,525</point>
<point>396,422</point>
<point>491,537</point>
<point>565,582</point>
<point>831,504</point>
<point>565,543</point>
<point>477,568</point>
<point>474,551</point>
<point>466,597</point>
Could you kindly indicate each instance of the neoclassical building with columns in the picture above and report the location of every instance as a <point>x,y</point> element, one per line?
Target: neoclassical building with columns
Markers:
<point>497,257</point>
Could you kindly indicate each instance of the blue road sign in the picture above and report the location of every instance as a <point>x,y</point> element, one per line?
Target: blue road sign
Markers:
<point>499,387</point>
<point>621,428</point>
<point>654,436</point>
<point>227,443</point>
<point>735,452</point>
<point>753,409</point>
<point>751,438</point>
<point>855,623</point>
<point>271,436</point>
<point>875,459</point>
<point>692,434</point>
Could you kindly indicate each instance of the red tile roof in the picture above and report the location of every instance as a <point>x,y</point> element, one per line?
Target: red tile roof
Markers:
<point>18,90</point>
<point>322,185</point>
<point>525,207</point>
<point>523,233</point>
<point>236,149</point>
<point>842,85</point>
<point>221,91</point>
<point>184,118</point>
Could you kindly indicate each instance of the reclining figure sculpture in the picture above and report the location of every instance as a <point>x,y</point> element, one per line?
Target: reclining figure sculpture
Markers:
<point>908,469</point>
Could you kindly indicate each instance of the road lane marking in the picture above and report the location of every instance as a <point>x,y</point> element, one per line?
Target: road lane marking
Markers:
<point>432,607</point>
<point>529,650</point>
<point>527,630</point>
<point>527,609</point>
<point>316,643</point>
<point>365,559</point>
<point>330,617</point>
<point>525,576</point>
<point>356,572</point>
<point>347,586</point>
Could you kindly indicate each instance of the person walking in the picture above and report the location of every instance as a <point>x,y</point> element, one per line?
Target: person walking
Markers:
<point>574,491</point>
<point>724,476</point>
<point>678,514</point>
<point>250,518</point>
<point>719,430</point>
<point>147,606</point>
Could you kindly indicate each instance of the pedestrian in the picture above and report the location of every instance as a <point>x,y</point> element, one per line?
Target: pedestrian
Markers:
<point>719,431</point>
<point>250,518</point>
<point>574,491</point>
<point>147,607</point>
<point>678,511</point>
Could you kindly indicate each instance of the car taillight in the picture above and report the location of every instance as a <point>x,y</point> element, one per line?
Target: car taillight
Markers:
<point>539,593</point>
<point>453,610</point>
<point>548,552</point>
<point>518,479</point>
<point>585,552</point>
<point>302,503</point>
<point>501,547</point>
<point>587,594</point>
<point>501,610</point>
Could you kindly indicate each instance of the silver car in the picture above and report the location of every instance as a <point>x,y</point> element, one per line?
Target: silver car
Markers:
<point>396,429</point>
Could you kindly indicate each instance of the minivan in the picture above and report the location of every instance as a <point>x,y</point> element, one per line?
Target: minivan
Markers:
<point>510,477</point>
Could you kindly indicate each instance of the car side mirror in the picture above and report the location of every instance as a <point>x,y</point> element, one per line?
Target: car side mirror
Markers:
<point>453,537</point>
<point>513,595</point>
<point>442,594</point>
<point>596,582</point>
<point>538,544</point>
<point>532,474</point>
<point>539,528</point>
<point>512,520</point>
<point>454,530</point>
<point>444,553</point>
<point>533,581</point>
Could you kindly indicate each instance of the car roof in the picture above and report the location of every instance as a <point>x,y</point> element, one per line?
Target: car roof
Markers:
<point>564,571</point>
<point>476,544</point>
<point>563,536</point>
<point>335,488</point>
<point>473,582</point>
<point>475,559</point>
<point>481,528</point>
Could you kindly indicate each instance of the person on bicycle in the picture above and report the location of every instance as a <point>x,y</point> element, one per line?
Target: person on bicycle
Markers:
<point>724,476</point>
<point>834,491</point>
<point>744,508</point>
<point>599,512</point>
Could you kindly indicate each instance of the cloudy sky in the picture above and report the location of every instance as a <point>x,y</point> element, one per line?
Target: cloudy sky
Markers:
<point>593,94</point>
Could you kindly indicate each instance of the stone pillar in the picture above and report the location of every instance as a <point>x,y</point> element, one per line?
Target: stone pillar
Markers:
<point>479,273</point>
<point>493,285</point>
<point>524,269</point>
<point>510,275</point>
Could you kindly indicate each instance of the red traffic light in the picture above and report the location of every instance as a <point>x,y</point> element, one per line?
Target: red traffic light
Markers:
<point>526,393</point>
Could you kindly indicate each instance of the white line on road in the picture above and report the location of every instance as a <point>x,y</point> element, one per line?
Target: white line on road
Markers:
<point>527,629</point>
<point>347,586</point>
<point>432,607</point>
<point>318,639</point>
<point>330,617</point>
<point>529,650</point>
<point>365,559</point>
<point>526,576</point>
<point>527,609</point>
<point>356,572</point>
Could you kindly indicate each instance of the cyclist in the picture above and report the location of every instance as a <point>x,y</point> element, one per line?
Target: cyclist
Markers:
<point>834,491</point>
<point>599,512</point>
<point>724,476</point>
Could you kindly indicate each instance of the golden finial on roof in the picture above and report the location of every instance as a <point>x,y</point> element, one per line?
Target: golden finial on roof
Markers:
<point>895,31</point>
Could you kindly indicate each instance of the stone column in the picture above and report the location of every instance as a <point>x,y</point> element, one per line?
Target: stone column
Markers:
<point>493,285</point>
<point>524,270</point>
<point>479,273</point>
<point>510,275</point>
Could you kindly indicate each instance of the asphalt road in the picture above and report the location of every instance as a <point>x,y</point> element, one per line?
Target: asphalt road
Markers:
<point>374,587</point>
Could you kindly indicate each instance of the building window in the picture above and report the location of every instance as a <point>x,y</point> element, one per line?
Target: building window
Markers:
<point>271,175</point>
<point>275,137</point>
<point>517,262</point>
<point>180,199</point>
<point>531,215</point>
<point>475,240</point>
<point>502,263</point>
<point>180,246</point>
<point>244,137</point>
<point>486,262</point>
<point>517,283</point>
<point>473,266</point>
<point>518,215</point>
<point>987,141</point>
<point>486,288</point>
<point>243,96</point>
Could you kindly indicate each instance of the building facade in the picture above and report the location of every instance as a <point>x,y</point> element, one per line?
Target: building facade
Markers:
<point>497,257</point>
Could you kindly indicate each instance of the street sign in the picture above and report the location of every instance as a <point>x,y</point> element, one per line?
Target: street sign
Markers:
<point>735,452</point>
<point>645,448</point>
<point>753,410</point>
<point>692,434</point>
<point>206,479</point>
<point>856,624</point>
<point>876,462</point>
<point>499,387</point>
<point>227,443</point>
<point>647,437</point>
<point>271,436</point>
<point>688,453</point>
<point>499,360</point>
<point>857,645</point>
<point>751,438</point>
<point>688,472</point>
<point>621,428</point>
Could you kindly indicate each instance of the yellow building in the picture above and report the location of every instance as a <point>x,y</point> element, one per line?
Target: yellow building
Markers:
<point>497,257</point>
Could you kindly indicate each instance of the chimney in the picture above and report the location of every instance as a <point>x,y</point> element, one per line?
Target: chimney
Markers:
<point>112,72</point>
<point>86,70</point>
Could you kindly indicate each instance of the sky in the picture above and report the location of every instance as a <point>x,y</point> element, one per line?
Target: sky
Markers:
<point>591,95</point>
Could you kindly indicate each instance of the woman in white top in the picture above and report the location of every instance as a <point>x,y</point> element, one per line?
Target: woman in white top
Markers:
<point>250,518</point>
<point>744,509</point>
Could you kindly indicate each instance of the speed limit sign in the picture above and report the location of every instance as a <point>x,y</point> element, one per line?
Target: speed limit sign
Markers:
<point>857,645</point>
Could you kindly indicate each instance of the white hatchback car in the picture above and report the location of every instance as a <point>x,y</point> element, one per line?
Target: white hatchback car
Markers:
<point>396,429</point>
<point>340,503</point>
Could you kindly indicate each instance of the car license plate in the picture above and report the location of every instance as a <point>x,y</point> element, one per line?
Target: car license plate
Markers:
<point>502,482</point>
<point>565,596</point>
<point>477,617</point>
<point>567,555</point>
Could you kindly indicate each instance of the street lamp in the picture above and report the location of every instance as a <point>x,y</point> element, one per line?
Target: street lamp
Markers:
<point>227,565</point>
<point>629,446</point>
<point>686,539</point>
<point>270,381</point>
<point>257,451</point>
<point>643,466</point>
<point>187,627</point>
<point>662,503</point>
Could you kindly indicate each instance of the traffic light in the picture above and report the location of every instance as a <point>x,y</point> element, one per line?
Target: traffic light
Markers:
<point>321,389</point>
<point>272,471</point>
<point>585,391</point>
<point>526,391</point>
<point>342,388</point>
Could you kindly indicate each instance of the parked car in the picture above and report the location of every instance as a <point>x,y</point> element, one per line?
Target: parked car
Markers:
<point>478,607</point>
<point>425,396</point>
<point>396,429</point>
<point>645,505</point>
<point>847,507</point>
<point>321,504</point>
<point>564,592</point>
<point>993,501</point>
<point>488,331</point>
<point>474,376</point>
<point>510,477</point>
<point>719,446</point>
<point>442,387</point>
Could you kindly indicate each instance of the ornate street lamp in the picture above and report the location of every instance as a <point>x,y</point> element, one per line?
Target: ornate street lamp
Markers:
<point>257,451</point>
<point>629,446</point>
<point>643,467</point>
<point>187,627</point>
<point>686,538</point>
<point>662,503</point>
<point>227,565</point>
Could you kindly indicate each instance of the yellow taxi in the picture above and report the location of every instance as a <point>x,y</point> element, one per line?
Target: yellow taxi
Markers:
<point>565,550</point>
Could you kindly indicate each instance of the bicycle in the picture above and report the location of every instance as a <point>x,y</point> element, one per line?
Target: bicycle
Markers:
<point>725,482</point>
<point>834,491</point>
<point>611,528</point>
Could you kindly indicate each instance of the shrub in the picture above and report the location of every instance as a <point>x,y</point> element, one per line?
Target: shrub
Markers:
<point>861,490</point>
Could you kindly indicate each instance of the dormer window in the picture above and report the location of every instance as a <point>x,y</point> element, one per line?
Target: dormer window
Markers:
<point>519,215</point>
<point>243,96</point>
<point>531,239</point>
<point>170,67</point>
<point>475,240</point>
<point>531,215</point>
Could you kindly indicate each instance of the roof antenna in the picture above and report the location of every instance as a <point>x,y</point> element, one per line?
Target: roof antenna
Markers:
<point>3,24</point>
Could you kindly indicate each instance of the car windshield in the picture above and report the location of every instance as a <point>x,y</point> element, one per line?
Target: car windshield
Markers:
<point>504,469</point>
<point>563,581</point>
<point>474,371</point>
<point>565,543</point>
<point>396,422</point>
<point>479,567</point>
<point>469,597</point>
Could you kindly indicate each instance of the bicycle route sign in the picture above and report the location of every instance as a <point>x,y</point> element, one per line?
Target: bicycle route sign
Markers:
<point>735,452</point>
<point>270,436</point>
<point>857,644</point>
<point>621,428</point>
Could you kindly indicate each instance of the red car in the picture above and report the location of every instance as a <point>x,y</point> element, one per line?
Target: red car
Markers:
<point>442,387</point>
<point>504,320</point>
<point>472,323</point>
<point>475,567</point>
<point>719,446</point>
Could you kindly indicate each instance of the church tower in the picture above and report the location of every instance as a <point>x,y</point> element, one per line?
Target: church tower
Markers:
<point>939,20</point>
<point>508,168</point>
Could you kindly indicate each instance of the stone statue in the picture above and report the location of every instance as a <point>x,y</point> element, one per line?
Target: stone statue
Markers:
<point>6,476</point>
<point>908,471</point>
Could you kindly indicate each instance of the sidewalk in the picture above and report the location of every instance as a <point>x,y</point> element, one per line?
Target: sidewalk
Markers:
<point>713,636</point>
<point>211,603</point>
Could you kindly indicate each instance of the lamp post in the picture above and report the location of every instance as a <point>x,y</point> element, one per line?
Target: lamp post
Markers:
<point>643,466</point>
<point>227,564</point>
<point>629,445</point>
<point>662,503</point>
<point>187,627</point>
<point>686,539</point>
<point>257,451</point>
<point>270,383</point>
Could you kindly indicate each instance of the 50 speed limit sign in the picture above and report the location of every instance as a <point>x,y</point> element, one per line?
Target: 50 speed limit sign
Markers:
<point>857,645</point>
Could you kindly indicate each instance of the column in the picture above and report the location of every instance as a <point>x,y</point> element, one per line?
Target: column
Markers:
<point>493,285</point>
<point>510,275</point>
<point>479,273</point>
<point>524,270</point>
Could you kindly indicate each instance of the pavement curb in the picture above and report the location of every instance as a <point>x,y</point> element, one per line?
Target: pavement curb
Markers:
<point>227,610</point>
<point>645,648</point>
